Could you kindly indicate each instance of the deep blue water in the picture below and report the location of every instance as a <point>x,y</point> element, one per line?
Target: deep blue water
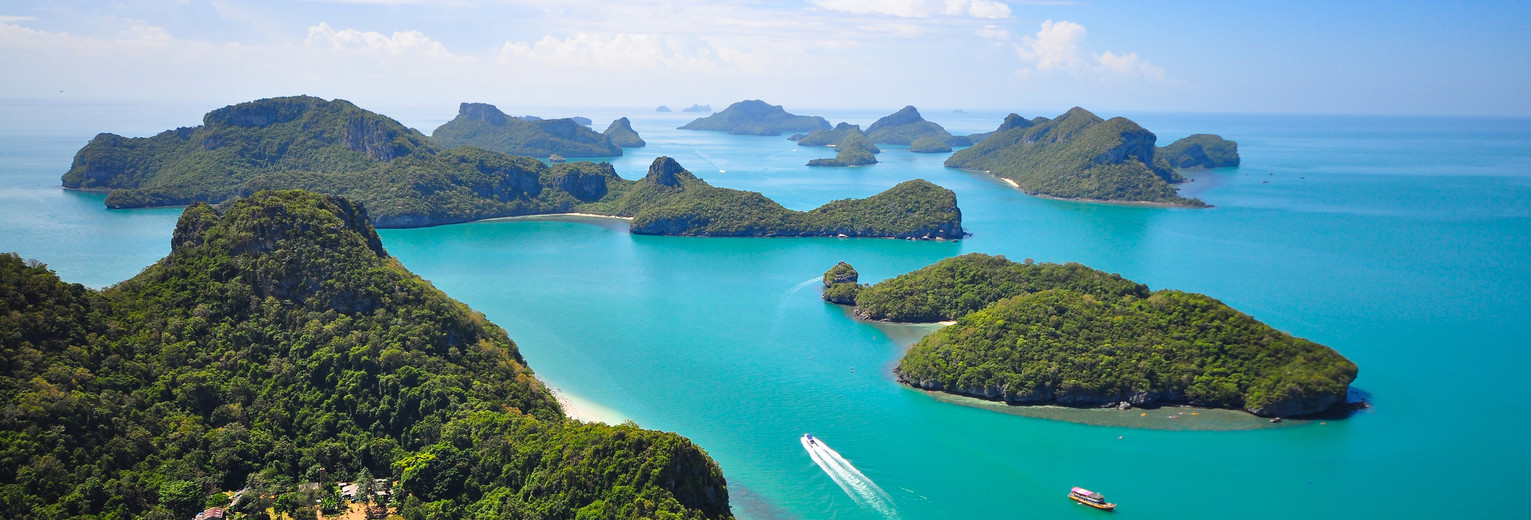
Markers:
<point>1400,242</point>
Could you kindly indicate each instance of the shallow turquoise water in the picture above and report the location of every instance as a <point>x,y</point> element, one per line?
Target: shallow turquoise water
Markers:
<point>1400,242</point>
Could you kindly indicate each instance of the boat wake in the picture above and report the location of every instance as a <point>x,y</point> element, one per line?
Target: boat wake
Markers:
<point>804,285</point>
<point>860,488</point>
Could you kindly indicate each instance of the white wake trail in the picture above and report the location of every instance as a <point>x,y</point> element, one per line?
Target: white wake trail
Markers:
<point>833,475</point>
<point>866,493</point>
<point>804,285</point>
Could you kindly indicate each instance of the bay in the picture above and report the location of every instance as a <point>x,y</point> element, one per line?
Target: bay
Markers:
<point>1400,242</point>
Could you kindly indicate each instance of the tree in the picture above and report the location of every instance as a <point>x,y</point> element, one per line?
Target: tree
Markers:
<point>364,486</point>
<point>183,497</point>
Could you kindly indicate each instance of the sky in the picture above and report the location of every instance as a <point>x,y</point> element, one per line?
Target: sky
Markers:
<point>1297,56</point>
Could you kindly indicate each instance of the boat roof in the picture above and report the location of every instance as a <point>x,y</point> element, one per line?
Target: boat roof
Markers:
<point>1082,491</point>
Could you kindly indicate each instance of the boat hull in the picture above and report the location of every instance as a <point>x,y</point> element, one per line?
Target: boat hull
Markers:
<point>1102,507</point>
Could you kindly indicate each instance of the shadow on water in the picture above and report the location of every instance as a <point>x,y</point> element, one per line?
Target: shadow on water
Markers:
<point>747,505</point>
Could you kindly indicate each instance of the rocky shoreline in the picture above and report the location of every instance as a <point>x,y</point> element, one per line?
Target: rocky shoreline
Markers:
<point>1323,403</point>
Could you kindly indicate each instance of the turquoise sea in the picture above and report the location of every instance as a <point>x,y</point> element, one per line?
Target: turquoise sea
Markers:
<point>1402,242</point>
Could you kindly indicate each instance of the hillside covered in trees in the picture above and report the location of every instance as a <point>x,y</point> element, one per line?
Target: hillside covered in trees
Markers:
<point>621,133</point>
<point>907,125</point>
<point>484,126</point>
<point>1201,151</point>
<point>852,150</point>
<point>407,180</point>
<point>756,117</point>
<point>279,338</point>
<point>828,137</point>
<point>673,201</point>
<point>1030,333</point>
<point>1078,156</point>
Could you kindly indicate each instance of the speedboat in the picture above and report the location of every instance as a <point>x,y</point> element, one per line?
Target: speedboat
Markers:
<point>1091,498</point>
<point>809,437</point>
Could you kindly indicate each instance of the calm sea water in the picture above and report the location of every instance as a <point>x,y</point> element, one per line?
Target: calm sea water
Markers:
<point>1400,242</point>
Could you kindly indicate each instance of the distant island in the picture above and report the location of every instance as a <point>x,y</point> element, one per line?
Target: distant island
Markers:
<point>827,137</point>
<point>907,125</point>
<point>662,108</point>
<point>697,108</point>
<point>484,126</point>
<point>672,201</point>
<point>854,149</point>
<point>930,144</point>
<point>279,349</point>
<point>1077,156</point>
<point>1029,333</point>
<point>407,180</point>
<point>1201,151</point>
<point>755,117</point>
<point>621,133</point>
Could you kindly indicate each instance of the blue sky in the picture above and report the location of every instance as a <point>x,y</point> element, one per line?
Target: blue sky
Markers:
<point>1280,57</point>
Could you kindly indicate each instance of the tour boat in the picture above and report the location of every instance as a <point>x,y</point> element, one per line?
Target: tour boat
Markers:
<point>1091,498</point>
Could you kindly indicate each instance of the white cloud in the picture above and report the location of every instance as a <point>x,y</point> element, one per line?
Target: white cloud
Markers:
<point>993,32</point>
<point>400,43</point>
<point>607,51</point>
<point>1059,46</point>
<point>14,19</point>
<point>628,51</point>
<point>920,8</point>
<point>1056,46</point>
<point>1129,65</point>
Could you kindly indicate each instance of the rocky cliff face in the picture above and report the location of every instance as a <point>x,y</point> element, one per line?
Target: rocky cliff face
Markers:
<point>664,171</point>
<point>483,112</point>
<point>1136,144</point>
<point>262,113</point>
<point>376,137</point>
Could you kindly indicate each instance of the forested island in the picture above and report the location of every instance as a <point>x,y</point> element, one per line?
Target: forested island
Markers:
<point>828,137</point>
<point>621,133</point>
<point>906,125</point>
<point>407,180</point>
<point>853,150</point>
<point>755,117</point>
<point>672,201</point>
<point>1030,333</point>
<point>1201,151</point>
<point>279,344</point>
<point>1078,156</point>
<point>930,144</point>
<point>484,126</point>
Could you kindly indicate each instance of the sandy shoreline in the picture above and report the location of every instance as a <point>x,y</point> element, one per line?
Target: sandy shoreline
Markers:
<point>581,409</point>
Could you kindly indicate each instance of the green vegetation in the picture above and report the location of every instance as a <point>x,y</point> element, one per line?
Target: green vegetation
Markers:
<point>1077,156</point>
<point>906,125</point>
<point>930,144</point>
<point>278,342</point>
<point>672,201</point>
<point>854,150</point>
<point>828,137</point>
<point>840,284</point>
<point>1067,334</point>
<point>484,126</point>
<point>1201,151</point>
<point>406,180</point>
<point>621,133</point>
<point>755,117</point>
<point>956,286</point>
